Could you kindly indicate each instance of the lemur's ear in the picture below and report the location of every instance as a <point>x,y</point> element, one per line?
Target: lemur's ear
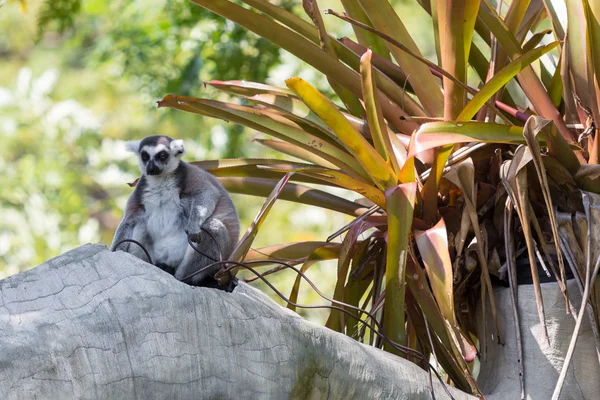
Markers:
<point>133,146</point>
<point>177,147</point>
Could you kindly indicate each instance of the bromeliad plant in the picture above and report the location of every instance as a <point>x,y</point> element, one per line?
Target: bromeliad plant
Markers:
<point>458,182</point>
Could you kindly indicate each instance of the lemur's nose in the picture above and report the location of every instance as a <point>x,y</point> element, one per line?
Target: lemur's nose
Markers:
<point>152,169</point>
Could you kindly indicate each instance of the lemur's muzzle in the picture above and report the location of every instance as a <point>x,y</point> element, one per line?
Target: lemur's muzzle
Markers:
<point>152,169</point>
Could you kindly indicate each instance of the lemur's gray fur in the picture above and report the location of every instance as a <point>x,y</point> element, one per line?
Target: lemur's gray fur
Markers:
<point>171,200</point>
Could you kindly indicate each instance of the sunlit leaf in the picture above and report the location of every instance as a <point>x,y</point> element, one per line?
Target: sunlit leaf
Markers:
<point>436,134</point>
<point>420,290</point>
<point>387,67</point>
<point>254,169</point>
<point>456,22</point>
<point>368,157</point>
<point>379,131</point>
<point>529,81</point>
<point>295,151</point>
<point>311,7</point>
<point>500,79</point>
<point>301,47</point>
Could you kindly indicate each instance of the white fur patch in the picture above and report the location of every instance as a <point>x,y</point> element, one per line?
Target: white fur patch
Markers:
<point>177,147</point>
<point>166,220</point>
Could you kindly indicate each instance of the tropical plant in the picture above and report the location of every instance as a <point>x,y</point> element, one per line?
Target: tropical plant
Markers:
<point>442,166</point>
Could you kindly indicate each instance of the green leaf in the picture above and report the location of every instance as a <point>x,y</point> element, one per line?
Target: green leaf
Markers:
<point>384,19</point>
<point>554,20</point>
<point>311,8</point>
<point>387,67</point>
<point>456,22</point>
<point>436,134</point>
<point>301,47</point>
<point>242,247</point>
<point>287,252</point>
<point>293,108</point>
<point>580,53</point>
<point>336,318</point>
<point>365,38</point>
<point>420,290</point>
<point>433,246</point>
<point>337,178</point>
<point>244,88</point>
<point>254,169</point>
<point>328,251</point>
<point>298,112</point>
<point>292,192</point>
<point>500,79</point>
<point>294,151</point>
<point>393,83</point>
<point>535,40</point>
<point>529,81</point>
<point>360,278</point>
<point>287,18</point>
<point>365,154</point>
<point>400,206</point>
<point>379,131</point>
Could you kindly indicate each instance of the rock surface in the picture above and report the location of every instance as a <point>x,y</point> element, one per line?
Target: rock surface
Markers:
<point>96,324</point>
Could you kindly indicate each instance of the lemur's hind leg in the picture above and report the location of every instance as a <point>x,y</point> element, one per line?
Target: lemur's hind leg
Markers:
<point>214,240</point>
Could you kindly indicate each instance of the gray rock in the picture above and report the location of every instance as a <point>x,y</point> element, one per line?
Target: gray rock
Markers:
<point>96,324</point>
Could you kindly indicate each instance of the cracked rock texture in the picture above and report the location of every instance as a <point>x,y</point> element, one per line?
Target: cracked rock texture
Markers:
<point>95,324</point>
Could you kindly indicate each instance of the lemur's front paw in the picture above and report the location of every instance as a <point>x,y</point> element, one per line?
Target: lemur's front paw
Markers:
<point>194,236</point>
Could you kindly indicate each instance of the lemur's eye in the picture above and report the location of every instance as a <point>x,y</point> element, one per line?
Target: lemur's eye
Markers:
<point>162,156</point>
<point>145,156</point>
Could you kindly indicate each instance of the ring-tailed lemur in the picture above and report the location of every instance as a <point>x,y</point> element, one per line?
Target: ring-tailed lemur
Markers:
<point>171,200</point>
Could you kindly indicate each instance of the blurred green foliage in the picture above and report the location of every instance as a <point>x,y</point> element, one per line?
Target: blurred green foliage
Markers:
<point>79,76</point>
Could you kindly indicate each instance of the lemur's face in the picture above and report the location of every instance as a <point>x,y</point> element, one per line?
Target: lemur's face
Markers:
<point>157,154</point>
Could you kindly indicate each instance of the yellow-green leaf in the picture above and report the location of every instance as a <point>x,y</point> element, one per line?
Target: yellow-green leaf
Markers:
<point>500,79</point>
<point>367,156</point>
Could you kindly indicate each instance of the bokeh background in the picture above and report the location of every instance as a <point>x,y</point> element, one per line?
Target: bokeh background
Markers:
<point>77,77</point>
